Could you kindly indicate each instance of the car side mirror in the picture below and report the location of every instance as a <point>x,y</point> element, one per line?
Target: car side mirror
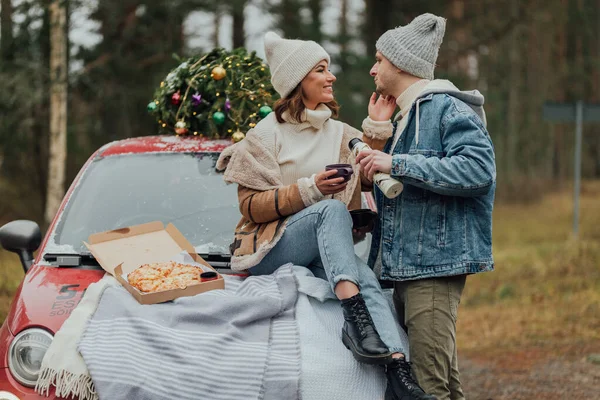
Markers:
<point>22,237</point>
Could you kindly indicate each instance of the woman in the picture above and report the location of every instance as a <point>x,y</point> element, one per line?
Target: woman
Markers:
<point>294,211</point>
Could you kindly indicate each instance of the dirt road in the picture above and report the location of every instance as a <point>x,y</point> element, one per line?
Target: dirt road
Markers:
<point>533,374</point>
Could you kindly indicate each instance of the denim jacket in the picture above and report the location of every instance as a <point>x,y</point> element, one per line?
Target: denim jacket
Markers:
<point>441,224</point>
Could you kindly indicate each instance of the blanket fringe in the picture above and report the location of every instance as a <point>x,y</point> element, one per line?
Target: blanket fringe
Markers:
<point>67,384</point>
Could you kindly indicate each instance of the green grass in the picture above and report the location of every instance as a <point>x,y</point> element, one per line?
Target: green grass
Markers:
<point>545,290</point>
<point>11,274</point>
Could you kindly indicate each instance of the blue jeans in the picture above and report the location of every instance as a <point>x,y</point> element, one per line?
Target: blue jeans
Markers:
<point>320,238</point>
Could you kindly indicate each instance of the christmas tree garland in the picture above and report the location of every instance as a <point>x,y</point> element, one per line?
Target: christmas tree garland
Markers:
<point>217,95</point>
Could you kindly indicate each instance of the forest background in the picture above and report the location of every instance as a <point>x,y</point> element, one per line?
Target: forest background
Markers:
<point>531,329</point>
<point>519,54</point>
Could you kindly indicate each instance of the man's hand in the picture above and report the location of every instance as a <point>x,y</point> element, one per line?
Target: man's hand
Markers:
<point>372,161</point>
<point>329,186</point>
<point>382,108</point>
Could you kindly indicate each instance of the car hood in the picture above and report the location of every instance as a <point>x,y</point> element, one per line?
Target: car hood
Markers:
<point>48,295</point>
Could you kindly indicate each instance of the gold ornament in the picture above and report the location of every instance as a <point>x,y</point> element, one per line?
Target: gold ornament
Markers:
<point>218,73</point>
<point>237,136</point>
<point>181,128</point>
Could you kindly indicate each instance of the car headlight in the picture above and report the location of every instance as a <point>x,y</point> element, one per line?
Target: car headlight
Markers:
<point>7,396</point>
<point>25,355</point>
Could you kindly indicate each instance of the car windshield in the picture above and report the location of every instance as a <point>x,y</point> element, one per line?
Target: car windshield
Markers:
<point>179,188</point>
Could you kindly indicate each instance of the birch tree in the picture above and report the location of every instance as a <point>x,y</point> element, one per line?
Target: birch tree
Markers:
<point>58,107</point>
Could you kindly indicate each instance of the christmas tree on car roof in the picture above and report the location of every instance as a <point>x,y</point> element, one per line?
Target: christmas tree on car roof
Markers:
<point>220,94</point>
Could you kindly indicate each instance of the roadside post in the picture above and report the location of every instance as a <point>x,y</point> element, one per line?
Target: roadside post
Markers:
<point>577,112</point>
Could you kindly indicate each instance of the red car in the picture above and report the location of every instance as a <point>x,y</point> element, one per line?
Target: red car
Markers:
<point>128,182</point>
<point>168,179</point>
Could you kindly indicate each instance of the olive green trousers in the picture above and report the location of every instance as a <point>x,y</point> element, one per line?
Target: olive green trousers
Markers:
<point>428,309</point>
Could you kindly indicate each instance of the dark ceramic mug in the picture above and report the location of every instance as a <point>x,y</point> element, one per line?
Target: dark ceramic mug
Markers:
<point>363,219</point>
<point>208,276</point>
<point>343,171</point>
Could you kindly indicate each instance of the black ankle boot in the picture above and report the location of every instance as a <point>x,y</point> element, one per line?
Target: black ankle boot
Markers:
<point>401,385</point>
<point>359,334</point>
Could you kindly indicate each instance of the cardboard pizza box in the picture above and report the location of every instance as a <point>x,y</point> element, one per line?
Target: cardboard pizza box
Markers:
<point>120,251</point>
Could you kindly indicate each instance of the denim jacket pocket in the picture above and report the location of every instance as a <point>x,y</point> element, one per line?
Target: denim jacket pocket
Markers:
<point>441,236</point>
<point>412,194</point>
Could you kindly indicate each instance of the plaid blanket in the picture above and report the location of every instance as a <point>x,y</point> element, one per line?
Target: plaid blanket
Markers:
<point>237,343</point>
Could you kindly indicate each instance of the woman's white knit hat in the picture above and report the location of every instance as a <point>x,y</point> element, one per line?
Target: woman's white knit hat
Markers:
<point>414,47</point>
<point>291,60</point>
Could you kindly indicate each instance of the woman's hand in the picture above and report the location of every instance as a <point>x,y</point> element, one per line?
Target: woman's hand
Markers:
<point>329,186</point>
<point>382,108</point>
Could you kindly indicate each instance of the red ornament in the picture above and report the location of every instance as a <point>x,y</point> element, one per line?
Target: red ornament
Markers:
<point>176,98</point>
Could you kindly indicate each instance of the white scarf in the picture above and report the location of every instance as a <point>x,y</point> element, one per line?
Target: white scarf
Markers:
<point>63,366</point>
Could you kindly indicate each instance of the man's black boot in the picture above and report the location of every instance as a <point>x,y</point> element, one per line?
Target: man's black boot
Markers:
<point>401,384</point>
<point>359,334</point>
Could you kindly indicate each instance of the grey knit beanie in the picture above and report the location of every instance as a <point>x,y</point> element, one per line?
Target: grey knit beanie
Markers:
<point>414,47</point>
<point>291,60</point>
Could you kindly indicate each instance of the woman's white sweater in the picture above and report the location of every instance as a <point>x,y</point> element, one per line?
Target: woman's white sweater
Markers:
<point>303,149</point>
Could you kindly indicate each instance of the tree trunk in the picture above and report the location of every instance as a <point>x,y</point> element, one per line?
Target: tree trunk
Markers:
<point>558,166</point>
<point>6,31</point>
<point>217,30</point>
<point>58,107</point>
<point>39,137</point>
<point>315,33</point>
<point>459,64</point>
<point>237,12</point>
<point>596,91</point>
<point>513,94</point>
<point>545,71</point>
<point>535,94</point>
<point>596,97</point>
<point>6,42</point>
<point>378,19</point>
<point>343,36</point>
<point>290,21</point>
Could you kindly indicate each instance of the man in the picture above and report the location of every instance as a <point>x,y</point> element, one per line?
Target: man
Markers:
<point>439,229</point>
